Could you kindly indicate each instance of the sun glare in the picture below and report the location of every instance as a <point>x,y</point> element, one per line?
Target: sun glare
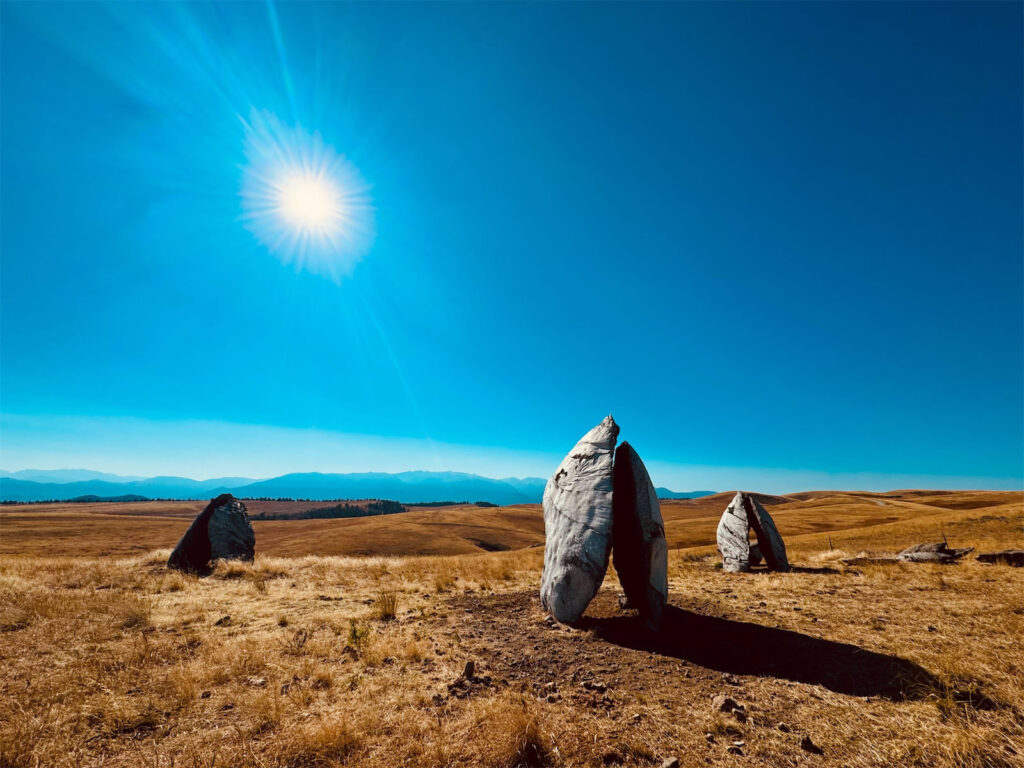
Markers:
<point>302,200</point>
<point>310,202</point>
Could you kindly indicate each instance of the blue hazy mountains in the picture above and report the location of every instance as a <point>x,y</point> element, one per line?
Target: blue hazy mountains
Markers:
<point>405,487</point>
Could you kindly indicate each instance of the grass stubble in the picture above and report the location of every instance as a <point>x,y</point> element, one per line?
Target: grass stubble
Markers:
<point>313,662</point>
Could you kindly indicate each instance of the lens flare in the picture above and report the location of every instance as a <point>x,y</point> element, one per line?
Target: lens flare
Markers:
<point>302,200</point>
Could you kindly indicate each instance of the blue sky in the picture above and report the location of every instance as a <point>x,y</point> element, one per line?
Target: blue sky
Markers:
<point>781,243</point>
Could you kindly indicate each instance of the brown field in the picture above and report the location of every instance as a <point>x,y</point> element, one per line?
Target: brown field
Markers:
<point>346,639</point>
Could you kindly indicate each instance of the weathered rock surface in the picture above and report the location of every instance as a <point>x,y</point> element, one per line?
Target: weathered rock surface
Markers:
<point>734,537</point>
<point>578,523</point>
<point>743,514</point>
<point>932,552</point>
<point>769,541</point>
<point>1014,557</point>
<point>639,550</point>
<point>220,532</point>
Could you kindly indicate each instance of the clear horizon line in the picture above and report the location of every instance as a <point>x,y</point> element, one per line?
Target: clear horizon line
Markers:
<point>193,448</point>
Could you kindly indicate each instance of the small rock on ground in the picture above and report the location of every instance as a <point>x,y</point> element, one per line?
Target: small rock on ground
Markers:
<point>809,746</point>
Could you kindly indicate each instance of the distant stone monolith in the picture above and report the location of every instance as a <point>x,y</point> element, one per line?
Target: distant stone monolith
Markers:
<point>639,550</point>
<point>220,532</point>
<point>742,515</point>
<point>932,552</point>
<point>577,524</point>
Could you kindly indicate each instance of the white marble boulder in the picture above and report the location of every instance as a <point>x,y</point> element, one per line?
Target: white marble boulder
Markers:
<point>743,514</point>
<point>220,532</point>
<point>639,549</point>
<point>578,524</point>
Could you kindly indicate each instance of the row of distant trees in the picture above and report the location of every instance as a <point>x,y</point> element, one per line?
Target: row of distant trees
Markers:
<point>448,503</point>
<point>344,509</point>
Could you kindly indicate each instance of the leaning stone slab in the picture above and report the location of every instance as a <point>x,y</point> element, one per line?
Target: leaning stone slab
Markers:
<point>639,549</point>
<point>769,540</point>
<point>1014,557</point>
<point>743,514</point>
<point>220,532</point>
<point>933,552</point>
<point>578,523</point>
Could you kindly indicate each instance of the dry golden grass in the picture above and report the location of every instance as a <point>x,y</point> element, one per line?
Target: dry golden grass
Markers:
<point>106,529</point>
<point>329,660</point>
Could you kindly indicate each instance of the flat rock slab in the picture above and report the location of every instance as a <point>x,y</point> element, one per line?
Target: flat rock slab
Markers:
<point>743,514</point>
<point>220,532</point>
<point>578,523</point>
<point>933,552</point>
<point>639,549</point>
<point>1013,557</point>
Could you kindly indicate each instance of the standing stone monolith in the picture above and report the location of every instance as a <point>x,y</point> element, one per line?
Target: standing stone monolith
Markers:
<point>743,514</point>
<point>734,537</point>
<point>220,532</point>
<point>639,549</point>
<point>769,541</point>
<point>577,524</point>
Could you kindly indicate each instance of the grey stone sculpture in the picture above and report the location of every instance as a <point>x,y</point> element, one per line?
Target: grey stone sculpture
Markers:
<point>578,523</point>
<point>220,532</point>
<point>639,550</point>
<point>743,514</point>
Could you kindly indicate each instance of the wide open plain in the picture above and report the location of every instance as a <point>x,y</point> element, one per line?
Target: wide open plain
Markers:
<point>347,638</point>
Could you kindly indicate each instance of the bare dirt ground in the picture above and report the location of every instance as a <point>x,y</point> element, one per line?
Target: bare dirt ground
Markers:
<point>325,660</point>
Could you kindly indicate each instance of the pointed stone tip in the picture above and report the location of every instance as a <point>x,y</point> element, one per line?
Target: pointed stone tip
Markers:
<point>609,423</point>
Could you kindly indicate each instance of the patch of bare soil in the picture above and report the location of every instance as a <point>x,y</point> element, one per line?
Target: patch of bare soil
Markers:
<point>610,655</point>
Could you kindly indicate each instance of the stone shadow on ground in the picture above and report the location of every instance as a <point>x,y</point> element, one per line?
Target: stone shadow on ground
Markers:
<point>819,570</point>
<point>742,648</point>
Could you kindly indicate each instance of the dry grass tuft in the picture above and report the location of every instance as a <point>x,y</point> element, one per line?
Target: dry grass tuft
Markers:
<point>385,605</point>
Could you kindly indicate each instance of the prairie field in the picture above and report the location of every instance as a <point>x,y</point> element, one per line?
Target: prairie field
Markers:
<point>346,643</point>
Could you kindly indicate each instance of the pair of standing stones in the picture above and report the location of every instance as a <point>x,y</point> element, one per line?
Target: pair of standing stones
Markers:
<point>601,502</point>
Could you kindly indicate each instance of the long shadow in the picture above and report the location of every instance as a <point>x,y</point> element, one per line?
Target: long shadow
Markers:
<point>751,649</point>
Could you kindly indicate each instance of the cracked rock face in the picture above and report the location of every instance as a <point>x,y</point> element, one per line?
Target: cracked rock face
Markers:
<point>743,514</point>
<point>734,537</point>
<point>639,550</point>
<point>578,524</point>
<point>220,532</point>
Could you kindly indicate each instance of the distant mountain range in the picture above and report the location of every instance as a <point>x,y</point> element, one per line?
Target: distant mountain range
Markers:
<point>405,487</point>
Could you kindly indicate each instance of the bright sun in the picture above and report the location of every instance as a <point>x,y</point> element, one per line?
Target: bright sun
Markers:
<point>309,202</point>
<point>304,202</point>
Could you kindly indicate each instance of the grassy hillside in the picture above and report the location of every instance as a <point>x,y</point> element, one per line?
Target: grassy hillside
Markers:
<point>314,661</point>
<point>123,529</point>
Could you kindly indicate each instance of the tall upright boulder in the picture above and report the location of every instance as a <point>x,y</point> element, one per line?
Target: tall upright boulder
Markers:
<point>743,514</point>
<point>639,549</point>
<point>734,537</point>
<point>578,523</point>
<point>220,532</point>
